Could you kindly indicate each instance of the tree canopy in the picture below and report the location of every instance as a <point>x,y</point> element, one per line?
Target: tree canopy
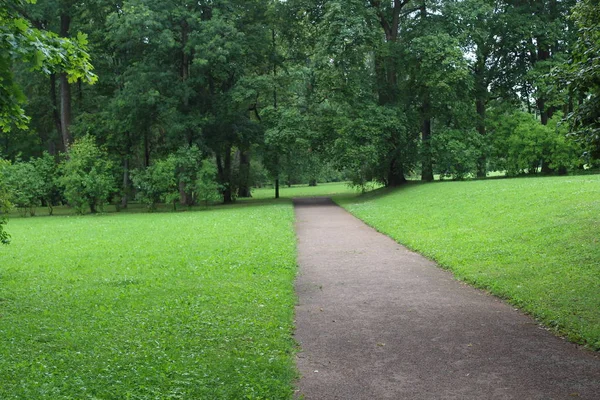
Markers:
<point>297,90</point>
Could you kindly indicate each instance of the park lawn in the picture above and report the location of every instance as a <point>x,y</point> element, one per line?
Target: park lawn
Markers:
<point>322,189</point>
<point>532,241</point>
<point>190,305</point>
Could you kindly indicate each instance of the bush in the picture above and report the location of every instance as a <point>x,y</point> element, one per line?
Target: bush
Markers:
<point>86,175</point>
<point>45,167</point>
<point>521,142</point>
<point>207,188</point>
<point>31,183</point>
<point>25,186</point>
<point>157,183</point>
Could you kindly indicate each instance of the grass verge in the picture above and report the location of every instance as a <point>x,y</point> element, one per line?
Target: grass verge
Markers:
<point>533,241</point>
<point>192,305</point>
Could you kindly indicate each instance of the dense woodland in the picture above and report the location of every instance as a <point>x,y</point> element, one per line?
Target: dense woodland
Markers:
<point>186,99</point>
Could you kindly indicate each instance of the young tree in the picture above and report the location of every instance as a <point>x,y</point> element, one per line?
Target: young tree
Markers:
<point>86,175</point>
<point>25,185</point>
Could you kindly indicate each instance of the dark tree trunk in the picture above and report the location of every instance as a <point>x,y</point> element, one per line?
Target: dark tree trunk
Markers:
<point>312,182</point>
<point>65,91</point>
<point>224,172</point>
<point>481,96</point>
<point>277,188</point>
<point>183,196</point>
<point>55,113</point>
<point>125,189</point>
<point>146,149</point>
<point>387,72</point>
<point>65,111</point>
<point>426,162</point>
<point>395,174</point>
<point>244,190</point>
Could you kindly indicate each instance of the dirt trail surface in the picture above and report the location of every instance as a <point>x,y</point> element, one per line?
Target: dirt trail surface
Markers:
<point>377,321</point>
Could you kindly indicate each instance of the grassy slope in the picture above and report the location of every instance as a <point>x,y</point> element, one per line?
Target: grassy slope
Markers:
<point>186,305</point>
<point>534,241</point>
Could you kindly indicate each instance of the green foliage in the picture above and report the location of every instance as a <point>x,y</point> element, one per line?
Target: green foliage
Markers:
<point>194,305</point>
<point>583,75</point>
<point>455,153</point>
<point>533,241</point>
<point>375,146</point>
<point>42,50</point>
<point>86,175</point>
<point>4,202</point>
<point>32,182</point>
<point>520,143</point>
<point>157,183</point>
<point>207,188</point>
<point>25,185</point>
<point>46,170</point>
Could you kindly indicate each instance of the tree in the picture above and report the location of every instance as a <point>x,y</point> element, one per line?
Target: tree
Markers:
<point>86,175</point>
<point>43,51</point>
<point>582,75</point>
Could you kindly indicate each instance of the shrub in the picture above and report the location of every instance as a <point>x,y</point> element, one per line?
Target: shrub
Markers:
<point>86,175</point>
<point>156,183</point>
<point>521,142</point>
<point>45,167</point>
<point>25,186</point>
<point>207,188</point>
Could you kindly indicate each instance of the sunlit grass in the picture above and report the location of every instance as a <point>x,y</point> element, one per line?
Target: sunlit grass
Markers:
<point>191,305</point>
<point>534,241</point>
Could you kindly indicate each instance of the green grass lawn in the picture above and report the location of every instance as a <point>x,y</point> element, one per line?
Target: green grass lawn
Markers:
<point>322,189</point>
<point>533,241</point>
<point>190,305</point>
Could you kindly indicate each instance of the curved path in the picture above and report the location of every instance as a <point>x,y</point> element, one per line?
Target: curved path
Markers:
<point>376,321</point>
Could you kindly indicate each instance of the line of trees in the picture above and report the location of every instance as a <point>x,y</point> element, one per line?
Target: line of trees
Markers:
<point>381,90</point>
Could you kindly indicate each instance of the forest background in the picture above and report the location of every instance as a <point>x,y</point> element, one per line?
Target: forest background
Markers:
<point>197,101</point>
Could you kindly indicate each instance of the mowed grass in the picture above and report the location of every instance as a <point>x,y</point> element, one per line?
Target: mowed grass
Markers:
<point>322,189</point>
<point>533,241</point>
<point>192,305</point>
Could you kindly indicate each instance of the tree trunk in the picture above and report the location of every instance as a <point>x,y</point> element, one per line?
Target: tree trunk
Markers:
<point>244,190</point>
<point>124,197</point>
<point>146,149</point>
<point>481,96</point>
<point>65,91</point>
<point>426,162</point>
<point>395,174</point>
<point>312,182</point>
<point>224,172</point>
<point>277,188</point>
<point>55,114</point>
<point>481,160</point>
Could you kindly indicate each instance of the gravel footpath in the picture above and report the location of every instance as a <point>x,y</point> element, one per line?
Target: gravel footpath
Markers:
<point>377,321</point>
